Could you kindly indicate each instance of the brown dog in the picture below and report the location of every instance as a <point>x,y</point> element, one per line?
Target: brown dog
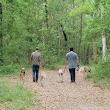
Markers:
<point>84,70</point>
<point>22,74</point>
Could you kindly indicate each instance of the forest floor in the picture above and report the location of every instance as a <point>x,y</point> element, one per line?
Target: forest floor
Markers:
<point>81,95</point>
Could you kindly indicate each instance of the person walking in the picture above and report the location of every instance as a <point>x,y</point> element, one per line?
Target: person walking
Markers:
<point>36,64</point>
<point>72,59</point>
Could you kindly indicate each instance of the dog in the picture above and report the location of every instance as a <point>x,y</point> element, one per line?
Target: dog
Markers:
<point>78,67</point>
<point>61,74</point>
<point>84,70</point>
<point>22,74</point>
<point>43,79</point>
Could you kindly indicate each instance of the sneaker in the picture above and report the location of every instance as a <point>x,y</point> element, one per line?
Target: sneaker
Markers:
<point>72,81</point>
<point>33,79</point>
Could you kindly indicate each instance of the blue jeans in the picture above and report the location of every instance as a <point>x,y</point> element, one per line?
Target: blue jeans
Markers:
<point>72,74</point>
<point>35,71</point>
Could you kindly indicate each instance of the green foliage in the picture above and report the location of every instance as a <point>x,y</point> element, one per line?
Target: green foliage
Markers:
<point>9,69</point>
<point>54,63</point>
<point>84,8</point>
<point>15,97</point>
<point>101,73</point>
<point>102,70</point>
<point>24,28</point>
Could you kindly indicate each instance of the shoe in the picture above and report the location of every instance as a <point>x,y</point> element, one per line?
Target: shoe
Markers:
<point>72,81</point>
<point>33,79</point>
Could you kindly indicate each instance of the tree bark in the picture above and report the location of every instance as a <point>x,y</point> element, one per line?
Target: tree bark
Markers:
<point>81,27</point>
<point>88,55</point>
<point>103,37</point>
<point>46,14</point>
<point>64,34</point>
<point>94,49</point>
<point>103,46</point>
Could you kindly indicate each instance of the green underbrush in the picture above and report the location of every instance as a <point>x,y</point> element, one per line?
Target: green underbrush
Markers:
<point>13,69</point>
<point>101,73</point>
<point>9,69</point>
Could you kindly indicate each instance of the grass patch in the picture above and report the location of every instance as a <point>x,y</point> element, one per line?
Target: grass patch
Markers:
<point>104,83</point>
<point>9,69</point>
<point>12,70</point>
<point>100,74</point>
<point>15,97</point>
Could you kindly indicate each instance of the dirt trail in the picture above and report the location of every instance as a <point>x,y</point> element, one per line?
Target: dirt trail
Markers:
<point>81,95</point>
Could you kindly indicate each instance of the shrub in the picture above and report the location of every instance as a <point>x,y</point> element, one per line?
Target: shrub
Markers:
<point>9,69</point>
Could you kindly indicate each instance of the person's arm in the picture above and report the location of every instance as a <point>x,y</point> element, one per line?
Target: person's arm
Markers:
<point>77,60</point>
<point>40,62</point>
<point>65,62</point>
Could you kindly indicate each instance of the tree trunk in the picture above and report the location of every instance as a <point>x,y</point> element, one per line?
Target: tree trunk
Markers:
<point>94,49</point>
<point>103,37</point>
<point>1,37</point>
<point>64,34</point>
<point>73,3</point>
<point>59,47</point>
<point>88,55</point>
<point>46,13</point>
<point>81,26</point>
<point>103,46</point>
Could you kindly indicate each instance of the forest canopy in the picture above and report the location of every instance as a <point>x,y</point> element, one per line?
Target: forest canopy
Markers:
<point>54,26</point>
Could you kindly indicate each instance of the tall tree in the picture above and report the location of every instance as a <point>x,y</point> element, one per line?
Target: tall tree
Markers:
<point>46,13</point>
<point>64,34</point>
<point>103,37</point>
<point>103,46</point>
